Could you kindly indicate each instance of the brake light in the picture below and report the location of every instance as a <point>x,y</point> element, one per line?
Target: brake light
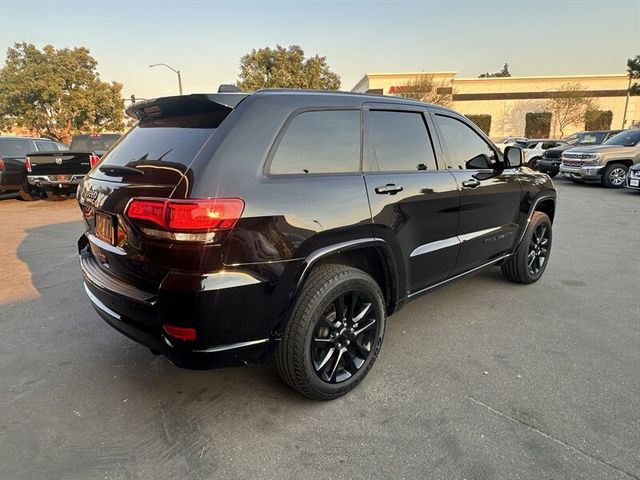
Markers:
<point>93,160</point>
<point>197,215</point>
<point>1,164</point>
<point>27,164</point>
<point>181,333</point>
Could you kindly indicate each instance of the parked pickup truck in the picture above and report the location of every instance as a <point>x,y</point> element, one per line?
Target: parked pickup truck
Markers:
<point>607,163</point>
<point>551,158</point>
<point>13,161</point>
<point>57,174</point>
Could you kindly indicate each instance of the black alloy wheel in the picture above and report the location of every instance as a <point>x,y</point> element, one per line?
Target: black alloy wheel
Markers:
<point>538,249</point>
<point>344,336</point>
<point>334,334</point>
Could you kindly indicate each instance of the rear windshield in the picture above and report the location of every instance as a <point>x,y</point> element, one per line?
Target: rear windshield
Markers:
<point>173,140</point>
<point>101,143</point>
<point>15,147</point>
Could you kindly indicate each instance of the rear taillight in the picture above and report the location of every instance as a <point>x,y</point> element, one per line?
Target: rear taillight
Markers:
<point>27,165</point>
<point>1,164</point>
<point>185,219</point>
<point>93,160</point>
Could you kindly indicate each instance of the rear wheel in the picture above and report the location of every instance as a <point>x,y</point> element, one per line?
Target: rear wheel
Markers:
<point>29,195</point>
<point>530,260</point>
<point>56,196</point>
<point>335,333</point>
<point>614,175</point>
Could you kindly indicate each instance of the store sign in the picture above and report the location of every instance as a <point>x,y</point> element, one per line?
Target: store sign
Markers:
<point>401,88</point>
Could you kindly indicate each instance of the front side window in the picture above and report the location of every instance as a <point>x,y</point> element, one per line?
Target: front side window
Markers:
<point>326,141</point>
<point>466,149</point>
<point>45,146</point>
<point>398,141</point>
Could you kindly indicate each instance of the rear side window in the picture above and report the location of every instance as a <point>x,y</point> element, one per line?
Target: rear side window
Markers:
<point>172,141</point>
<point>15,147</point>
<point>319,142</point>
<point>398,141</point>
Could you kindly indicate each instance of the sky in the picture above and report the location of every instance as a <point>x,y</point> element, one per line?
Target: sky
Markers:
<point>205,39</point>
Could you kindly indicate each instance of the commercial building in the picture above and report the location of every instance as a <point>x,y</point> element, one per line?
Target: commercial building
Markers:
<point>518,105</point>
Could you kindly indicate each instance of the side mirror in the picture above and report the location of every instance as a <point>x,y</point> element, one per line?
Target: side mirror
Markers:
<point>513,157</point>
<point>478,162</point>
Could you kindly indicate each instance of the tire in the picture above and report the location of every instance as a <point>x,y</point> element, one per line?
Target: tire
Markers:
<point>552,174</point>
<point>533,163</point>
<point>614,175</point>
<point>525,266</point>
<point>55,196</point>
<point>310,358</point>
<point>28,195</point>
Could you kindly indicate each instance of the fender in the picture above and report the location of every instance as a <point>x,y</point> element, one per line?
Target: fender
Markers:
<point>532,209</point>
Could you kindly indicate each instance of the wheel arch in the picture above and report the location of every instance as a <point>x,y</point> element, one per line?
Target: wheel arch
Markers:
<point>623,161</point>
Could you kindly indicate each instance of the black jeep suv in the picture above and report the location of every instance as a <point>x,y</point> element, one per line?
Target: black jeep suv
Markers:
<point>225,227</point>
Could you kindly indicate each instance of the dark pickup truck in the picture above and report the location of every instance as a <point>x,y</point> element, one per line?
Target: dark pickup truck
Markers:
<point>57,174</point>
<point>13,161</point>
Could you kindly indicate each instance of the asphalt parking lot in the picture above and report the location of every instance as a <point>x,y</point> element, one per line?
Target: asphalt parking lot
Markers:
<point>482,379</point>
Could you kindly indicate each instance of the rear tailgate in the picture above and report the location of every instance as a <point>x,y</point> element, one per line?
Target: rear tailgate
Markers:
<point>60,163</point>
<point>149,162</point>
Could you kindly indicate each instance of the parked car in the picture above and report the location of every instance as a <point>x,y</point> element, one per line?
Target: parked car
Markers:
<point>299,226</point>
<point>633,177</point>
<point>13,161</point>
<point>510,141</point>
<point>551,159</point>
<point>56,175</point>
<point>534,150</point>
<point>607,163</point>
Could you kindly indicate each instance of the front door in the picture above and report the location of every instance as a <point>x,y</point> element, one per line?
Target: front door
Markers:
<point>490,198</point>
<point>414,204</point>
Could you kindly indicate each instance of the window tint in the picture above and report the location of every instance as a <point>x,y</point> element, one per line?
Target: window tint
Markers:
<point>398,141</point>
<point>465,148</point>
<point>320,142</point>
<point>171,140</point>
<point>45,146</point>
<point>15,147</point>
<point>94,143</point>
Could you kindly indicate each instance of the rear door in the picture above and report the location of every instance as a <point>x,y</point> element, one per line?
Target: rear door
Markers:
<point>490,199</point>
<point>414,204</point>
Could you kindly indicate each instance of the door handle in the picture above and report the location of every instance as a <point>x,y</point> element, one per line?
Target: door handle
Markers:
<point>389,189</point>
<point>471,183</point>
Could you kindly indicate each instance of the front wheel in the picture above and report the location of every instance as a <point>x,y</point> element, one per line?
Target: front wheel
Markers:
<point>530,259</point>
<point>334,334</point>
<point>552,174</point>
<point>533,163</point>
<point>614,175</point>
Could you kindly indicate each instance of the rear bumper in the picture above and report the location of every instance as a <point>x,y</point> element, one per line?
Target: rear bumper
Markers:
<point>231,314</point>
<point>54,180</point>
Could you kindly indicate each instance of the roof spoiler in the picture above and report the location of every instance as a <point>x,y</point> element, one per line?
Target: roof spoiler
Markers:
<point>184,104</point>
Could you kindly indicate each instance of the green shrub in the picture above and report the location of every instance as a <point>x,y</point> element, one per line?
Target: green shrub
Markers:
<point>537,124</point>
<point>483,122</point>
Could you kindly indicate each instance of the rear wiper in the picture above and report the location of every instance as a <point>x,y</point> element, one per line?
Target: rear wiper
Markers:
<point>117,170</point>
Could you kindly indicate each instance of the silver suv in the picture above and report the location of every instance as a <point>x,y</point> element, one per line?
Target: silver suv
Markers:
<point>607,163</point>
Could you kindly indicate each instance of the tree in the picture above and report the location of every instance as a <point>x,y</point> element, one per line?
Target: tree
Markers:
<point>57,93</point>
<point>633,67</point>
<point>425,89</point>
<point>569,105</point>
<point>502,73</point>
<point>285,68</point>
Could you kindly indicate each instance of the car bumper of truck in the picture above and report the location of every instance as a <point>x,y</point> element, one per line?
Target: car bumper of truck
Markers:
<point>59,181</point>
<point>587,173</point>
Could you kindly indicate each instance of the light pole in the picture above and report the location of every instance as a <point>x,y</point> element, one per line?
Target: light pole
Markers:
<point>177,72</point>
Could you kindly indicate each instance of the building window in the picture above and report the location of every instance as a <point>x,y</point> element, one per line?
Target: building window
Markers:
<point>598,120</point>
<point>537,124</point>
<point>482,121</point>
